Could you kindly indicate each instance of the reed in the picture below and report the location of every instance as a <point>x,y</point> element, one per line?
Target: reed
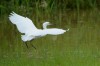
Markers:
<point>78,47</point>
<point>28,6</point>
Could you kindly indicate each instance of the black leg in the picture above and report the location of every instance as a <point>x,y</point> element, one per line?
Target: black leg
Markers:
<point>33,46</point>
<point>26,44</point>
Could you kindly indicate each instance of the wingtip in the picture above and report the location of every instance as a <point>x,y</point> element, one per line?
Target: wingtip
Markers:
<point>67,29</point>
<point>12,13</point>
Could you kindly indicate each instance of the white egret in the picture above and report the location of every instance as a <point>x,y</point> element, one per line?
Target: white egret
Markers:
<point>26,26</point>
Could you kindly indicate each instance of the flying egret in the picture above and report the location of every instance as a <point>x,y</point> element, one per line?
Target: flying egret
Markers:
<point>26,26</point>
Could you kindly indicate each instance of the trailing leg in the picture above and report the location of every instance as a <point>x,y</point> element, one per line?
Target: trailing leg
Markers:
<point>26,44</point>
<point>33,46</point>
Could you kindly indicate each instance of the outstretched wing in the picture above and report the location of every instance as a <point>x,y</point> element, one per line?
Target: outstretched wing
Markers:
<point>54,31</point>
<point>23,24</point>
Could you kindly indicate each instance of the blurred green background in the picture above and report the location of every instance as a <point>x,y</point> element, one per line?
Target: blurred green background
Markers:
<point>77,47</point>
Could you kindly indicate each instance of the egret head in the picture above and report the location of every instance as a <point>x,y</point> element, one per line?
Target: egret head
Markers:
<point>45,25</point>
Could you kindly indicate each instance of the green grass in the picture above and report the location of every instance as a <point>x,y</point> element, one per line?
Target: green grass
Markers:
<point>77,47</point>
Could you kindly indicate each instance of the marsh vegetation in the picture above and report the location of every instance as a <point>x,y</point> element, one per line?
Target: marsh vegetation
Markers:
<point>77,47</point>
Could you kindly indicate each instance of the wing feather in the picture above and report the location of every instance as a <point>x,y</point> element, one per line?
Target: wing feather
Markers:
<point>54,31</point>
<point>23,24</point>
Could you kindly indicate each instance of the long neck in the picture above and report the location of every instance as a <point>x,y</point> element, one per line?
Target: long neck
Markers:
<point>44,26</point>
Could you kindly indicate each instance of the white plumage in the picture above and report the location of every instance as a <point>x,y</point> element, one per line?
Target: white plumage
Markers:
<point>25,25</point>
